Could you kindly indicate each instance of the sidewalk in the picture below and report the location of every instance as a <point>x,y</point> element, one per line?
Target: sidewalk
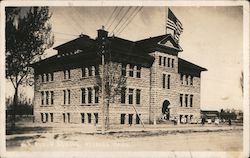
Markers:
<point>156,129</point>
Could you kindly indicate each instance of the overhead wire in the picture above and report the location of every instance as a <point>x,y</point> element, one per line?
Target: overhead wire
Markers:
<point>118,33</point>
<point>129,16</point>
<point>121,19</point>
<point>115,17</point>
<point>113,12</point>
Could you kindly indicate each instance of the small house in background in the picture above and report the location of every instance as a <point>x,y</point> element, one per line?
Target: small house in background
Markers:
<point>210,114</point>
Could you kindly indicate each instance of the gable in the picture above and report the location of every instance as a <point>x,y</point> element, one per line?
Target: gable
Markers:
<point>170,43</point>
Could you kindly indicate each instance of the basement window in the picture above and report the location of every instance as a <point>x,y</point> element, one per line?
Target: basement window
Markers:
<point>89,117</point>
<point>123,118</point>
<point>138,118</point>
<point>96,118</point>
<point>83,117</point>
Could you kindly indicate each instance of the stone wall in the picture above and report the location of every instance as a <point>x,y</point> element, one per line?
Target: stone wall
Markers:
<point>152,95</point>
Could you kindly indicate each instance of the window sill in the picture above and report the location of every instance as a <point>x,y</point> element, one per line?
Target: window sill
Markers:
<point>96,104</point>
<point>46,105</point>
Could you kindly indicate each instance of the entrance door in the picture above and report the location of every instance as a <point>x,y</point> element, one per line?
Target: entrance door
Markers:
<point>165,109</point>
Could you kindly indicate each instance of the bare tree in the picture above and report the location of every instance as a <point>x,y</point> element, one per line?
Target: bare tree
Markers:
<point>113,81</point>
<point>27,37</point>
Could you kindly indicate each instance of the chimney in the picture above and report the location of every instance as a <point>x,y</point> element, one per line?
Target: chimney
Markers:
<point>102,33</point>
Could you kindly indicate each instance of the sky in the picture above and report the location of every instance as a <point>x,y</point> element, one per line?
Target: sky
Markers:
<point>212,38</point>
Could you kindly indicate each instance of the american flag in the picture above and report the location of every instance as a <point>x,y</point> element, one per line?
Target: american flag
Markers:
<point>174,24</point>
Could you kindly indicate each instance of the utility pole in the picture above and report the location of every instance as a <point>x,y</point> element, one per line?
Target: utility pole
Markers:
<point>103,100</point>
<point>103,51</point>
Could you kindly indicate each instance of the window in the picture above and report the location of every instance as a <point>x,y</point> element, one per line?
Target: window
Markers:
<point>69,76</point>
<point>68,117</point>
<point>96,118</point>
<point>123,69</point>
<point>164,81</point>
<point>123,118</point>
<point>42,98</point>
<point>130,96</point>
<point>89,117</point>
<point>181,99</point>
<point>90,71</point>
<point>47,77</point>
<point>83,96</point>
<point>64,96</point>
<point>191,80</point>
<point>68,96</point>
<point>186,79</point>
<point>186,100</point>
<point>46,117</point>
<point>52,97</point>
<point>191,100</point>
<point>51,117</point>
<point>66,74</point>
<point>83,117</point>
<point>138,118</point>
<point>96,94</point>
<point>52,76</point>
<point>123,95</point>
<point>131,70</point>
<point>42,77</point>
<point>138,96</point>
<point>169,62</point>
<point>181,78</point>
<point>83,72</point>
<point>96,70</point>
<point>160,57</point>
<point>64,117</point>
<point>42,119</point>
<point>89,95</point>
<point>172,63</point>
<point>130,119</point>
<point>164,61</point>
<point>138,73</point>
<point>168,81</point>
<point>47,97</point>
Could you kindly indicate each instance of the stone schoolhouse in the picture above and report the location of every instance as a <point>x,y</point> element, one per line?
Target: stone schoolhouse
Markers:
<point>158,82</point>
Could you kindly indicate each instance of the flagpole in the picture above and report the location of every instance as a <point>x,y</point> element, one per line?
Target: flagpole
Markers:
<point>166,19</point>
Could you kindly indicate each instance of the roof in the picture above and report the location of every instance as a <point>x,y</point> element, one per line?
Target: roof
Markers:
<point>186,66</point>
<point>121,49</point>
<point>83,41</point>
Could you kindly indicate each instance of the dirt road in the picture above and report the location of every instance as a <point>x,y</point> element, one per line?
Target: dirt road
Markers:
<point>194,141</point>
